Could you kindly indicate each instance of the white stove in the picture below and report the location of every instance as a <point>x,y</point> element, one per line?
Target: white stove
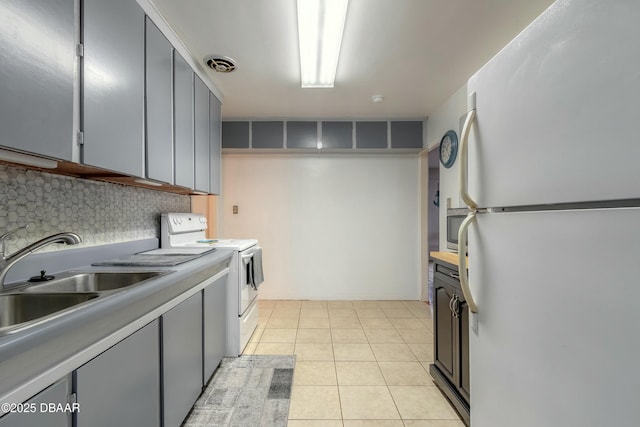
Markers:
<point>180,232</point>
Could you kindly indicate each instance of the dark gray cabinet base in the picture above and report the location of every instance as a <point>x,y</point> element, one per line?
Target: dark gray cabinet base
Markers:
<point>450,368</point>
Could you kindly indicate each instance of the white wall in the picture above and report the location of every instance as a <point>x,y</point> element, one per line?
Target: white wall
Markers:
<point>446,117</point>
<point>333,226</point>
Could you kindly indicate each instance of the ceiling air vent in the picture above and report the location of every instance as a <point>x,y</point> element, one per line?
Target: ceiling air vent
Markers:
<point>221,64</point>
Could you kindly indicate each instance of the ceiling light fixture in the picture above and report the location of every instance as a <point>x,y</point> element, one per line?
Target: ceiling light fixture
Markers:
<point>26,159</point>
<point>320,28</point>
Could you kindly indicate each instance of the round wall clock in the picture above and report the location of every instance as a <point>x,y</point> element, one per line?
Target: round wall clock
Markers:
<point>448,148</point>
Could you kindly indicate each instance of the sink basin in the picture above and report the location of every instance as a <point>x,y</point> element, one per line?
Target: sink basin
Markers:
<point>94,282</point>
<point>20,309</point>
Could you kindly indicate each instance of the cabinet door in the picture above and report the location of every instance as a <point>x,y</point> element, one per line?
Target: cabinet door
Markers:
<point>371,134</point>
<point>215,325</point>
<point>235,134</point>
<point>406,134</point>
<point>183,121</point>
<point>215,135</point>
<point>443,325</point>
<point>121,387</point>
<point>58,393</point>
<point>182,359</point>
<point>202,142</point>
<point>267,134</point>
<point>36,77</point>
<point>158,105</point>
<point>337,134</point>
<point>463,349</point>
<point>302,135</point>
<point>113,85</point>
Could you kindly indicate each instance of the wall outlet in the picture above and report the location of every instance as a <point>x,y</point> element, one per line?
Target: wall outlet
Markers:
<point>235,209</point>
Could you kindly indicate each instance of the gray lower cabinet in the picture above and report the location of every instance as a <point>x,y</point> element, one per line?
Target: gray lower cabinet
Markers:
<point>36,79</point>
<point>215,140</point>
<point>201,133</point>
<point>113,85</point>
<point>159,136</point>
<point>214,325</point>
<point>39,414</point>
<point>121,387</point>
<point>183,121</point>
<point>181,359</point>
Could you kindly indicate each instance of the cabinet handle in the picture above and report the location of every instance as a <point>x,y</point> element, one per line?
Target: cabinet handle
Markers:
<point>456,306</point>
<point>451,305</point>
<point>454,275</point>
<point>462,262</point>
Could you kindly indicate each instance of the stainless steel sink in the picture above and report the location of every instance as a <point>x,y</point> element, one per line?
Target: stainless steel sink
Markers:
<point>94,282</point>
<point>20,309</point>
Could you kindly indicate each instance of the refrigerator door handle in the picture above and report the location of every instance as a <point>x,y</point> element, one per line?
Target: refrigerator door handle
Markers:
<point>464,156</point>
<point>462,261</point>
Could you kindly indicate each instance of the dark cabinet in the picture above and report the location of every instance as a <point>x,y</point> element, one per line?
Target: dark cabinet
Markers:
<point>450,368</point>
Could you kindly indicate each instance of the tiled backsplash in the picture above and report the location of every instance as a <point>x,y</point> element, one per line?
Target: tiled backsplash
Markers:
<point>99,212</point>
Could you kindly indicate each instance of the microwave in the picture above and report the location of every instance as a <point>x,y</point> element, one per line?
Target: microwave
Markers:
<point>454,220</point>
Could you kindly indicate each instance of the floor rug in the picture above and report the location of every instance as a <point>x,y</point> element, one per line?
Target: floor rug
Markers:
<point>246,391</point>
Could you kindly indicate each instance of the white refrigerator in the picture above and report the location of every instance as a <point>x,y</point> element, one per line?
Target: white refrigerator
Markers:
<point>550,166</point>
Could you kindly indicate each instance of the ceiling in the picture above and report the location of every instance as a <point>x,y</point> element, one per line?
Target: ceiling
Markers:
<point>415,53</point>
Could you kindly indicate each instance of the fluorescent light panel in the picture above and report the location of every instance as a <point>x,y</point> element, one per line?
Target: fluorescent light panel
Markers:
<point>320,28</point>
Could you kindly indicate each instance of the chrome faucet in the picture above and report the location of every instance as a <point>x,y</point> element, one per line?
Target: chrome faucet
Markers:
<point>6,262</point>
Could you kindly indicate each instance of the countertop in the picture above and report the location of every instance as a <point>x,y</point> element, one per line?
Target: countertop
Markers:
<point>33,359</point>
<point>450,257</point>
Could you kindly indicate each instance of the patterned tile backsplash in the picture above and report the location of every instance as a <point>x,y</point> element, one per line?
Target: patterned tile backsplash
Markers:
<point>99,212</point>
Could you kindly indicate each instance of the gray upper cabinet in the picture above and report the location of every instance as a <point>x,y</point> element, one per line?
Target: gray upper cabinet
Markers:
<point>113,85</point>
<point>267,134</point>
<point>36,79</point>
<point>406,134</point>
<point>302,135</point>
<point>158,105</point>
<point>235,135</point>
<point>371,134</point>
<point>201,130</point>
<point>215,140</point>
<point>337,134</point>
<point>183,121</point>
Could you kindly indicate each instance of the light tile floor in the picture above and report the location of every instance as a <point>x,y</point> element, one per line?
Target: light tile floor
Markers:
<point>358,363</point>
